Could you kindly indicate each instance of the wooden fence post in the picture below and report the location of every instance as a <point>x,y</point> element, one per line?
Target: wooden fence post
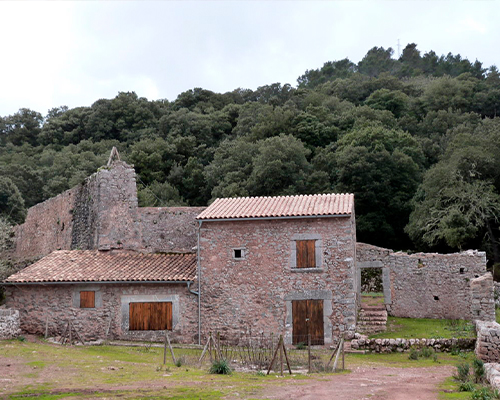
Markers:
<point>309,351</point>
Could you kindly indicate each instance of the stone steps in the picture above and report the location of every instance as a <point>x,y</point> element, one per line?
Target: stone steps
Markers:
<point>372,319</point>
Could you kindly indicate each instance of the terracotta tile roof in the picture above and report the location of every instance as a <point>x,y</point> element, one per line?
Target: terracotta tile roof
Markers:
<point>280,206</point>
<point>99,266</point>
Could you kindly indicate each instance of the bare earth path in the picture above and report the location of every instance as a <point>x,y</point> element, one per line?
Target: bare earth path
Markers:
<point>373,383</point>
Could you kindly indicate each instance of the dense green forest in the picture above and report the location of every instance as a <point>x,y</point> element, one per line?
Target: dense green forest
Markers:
<point>416,139</point>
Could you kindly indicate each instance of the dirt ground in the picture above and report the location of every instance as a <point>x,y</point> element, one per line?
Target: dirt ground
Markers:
<point>373,383</point>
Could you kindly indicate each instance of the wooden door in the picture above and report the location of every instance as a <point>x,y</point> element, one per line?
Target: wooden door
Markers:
<point>308,319</point>
<point>152,316</point>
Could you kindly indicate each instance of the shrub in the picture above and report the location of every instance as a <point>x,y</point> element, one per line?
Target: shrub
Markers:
<point>466,387</point>
<point>426,352</point>
<point>300,346</point>
<point>484,393</point>
<point>220,367</point>
<point>413,354</point>
<point>479,371</point>
<point>179,362</point>
<point>463,371</point>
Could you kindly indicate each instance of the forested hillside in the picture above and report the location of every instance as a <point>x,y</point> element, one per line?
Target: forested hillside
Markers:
<point>416,139</point>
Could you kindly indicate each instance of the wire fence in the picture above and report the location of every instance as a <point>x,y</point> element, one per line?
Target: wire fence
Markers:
<point>267,353</point>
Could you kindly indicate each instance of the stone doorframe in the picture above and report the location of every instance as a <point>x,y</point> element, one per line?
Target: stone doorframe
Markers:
<point>386,277</point>
<point>324,295</point>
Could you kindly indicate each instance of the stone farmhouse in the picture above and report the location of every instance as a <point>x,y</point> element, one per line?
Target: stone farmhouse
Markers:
<point>245,266</point>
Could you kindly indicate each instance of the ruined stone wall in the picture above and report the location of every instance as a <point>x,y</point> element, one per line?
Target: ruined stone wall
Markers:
<point>254,295</point>
<point>427,285</point>
<point>59,303</point>
<point>488,341</point>
<point>169,229</point>
<point>102,213</point>
<point>48,227</point>
<point>9,324</point>
<point>482,298</point>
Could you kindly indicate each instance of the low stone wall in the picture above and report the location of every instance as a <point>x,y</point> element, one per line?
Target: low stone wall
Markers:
<point>401,345</point>
<point>9,324</point>
<point>493,374</point>
<point>488,341</point>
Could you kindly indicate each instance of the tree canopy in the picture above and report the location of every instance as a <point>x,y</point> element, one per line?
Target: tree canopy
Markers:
<point>415,138</point>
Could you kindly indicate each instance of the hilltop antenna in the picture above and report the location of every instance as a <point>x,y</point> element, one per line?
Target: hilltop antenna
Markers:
<point>399,49</point>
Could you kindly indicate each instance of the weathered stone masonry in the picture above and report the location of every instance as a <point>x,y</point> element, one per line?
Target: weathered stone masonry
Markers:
<point>426,285</point>
<point>253,295</point>
<point>102,213</point>
<point>9,323</point>
<point>58,303</point>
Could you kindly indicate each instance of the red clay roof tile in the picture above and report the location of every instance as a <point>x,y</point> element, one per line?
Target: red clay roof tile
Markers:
<point>99,266</point>
<point>280,206</point>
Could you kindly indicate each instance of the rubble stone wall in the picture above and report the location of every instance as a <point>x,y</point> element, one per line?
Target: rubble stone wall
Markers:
<point>402,345</point>
<point>254,295</point>
<point>429,285</point>
<point>59,303</point>
<point>102,213</point>
<point>9,324</point>
<point>488,341</point>
<point>169,229</point>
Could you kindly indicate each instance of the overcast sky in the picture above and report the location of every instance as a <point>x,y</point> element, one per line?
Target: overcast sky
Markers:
<point>56,53</point>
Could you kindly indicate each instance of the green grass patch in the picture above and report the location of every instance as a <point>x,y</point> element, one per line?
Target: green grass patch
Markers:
<point>418,328</point>
<point>449,390</point>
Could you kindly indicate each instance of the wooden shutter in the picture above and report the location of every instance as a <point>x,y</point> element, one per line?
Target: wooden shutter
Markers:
<point>306,253</point>
<point>299,314</point>
<point>87,299</point>
<point>316,325</point>
<point>150,316</point>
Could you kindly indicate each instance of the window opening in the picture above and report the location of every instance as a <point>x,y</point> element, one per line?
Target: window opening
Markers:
<point>150,316</point>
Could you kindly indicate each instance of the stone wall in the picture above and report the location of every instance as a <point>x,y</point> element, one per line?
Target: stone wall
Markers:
<point>169,229</point>
<point>401,345</point>
<point>102,213</point>
<point>254,294</point>
<point>59,303</point>
<point>488,341</point>
<point>9,324</point>
<point>429,285</point>
<point>482,298</point>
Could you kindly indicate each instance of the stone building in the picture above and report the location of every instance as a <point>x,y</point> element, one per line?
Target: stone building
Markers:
<point>279,264</point>
<point>288,265</point>
<point>108,294</point>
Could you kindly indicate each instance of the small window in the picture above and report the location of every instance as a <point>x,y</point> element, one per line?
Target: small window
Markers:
<point>239,254</point>
<point>306,253</point>
<point>87,299</point>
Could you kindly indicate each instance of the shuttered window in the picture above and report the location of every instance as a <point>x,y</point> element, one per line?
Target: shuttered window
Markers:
<point>306,253</point>
<point>87,299</point>
<point>152,316</point>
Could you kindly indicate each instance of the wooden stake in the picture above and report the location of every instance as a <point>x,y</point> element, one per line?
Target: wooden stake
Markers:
<point>70,337</point>
<point>47,327</point>
<point>204,350</point>
<point>274,357</point>
<point>333,354</point>
<point>281,356</point>
<point>170,347</point>
<point>286,358</point>
<point>309,351</point>
<point>341,345</point>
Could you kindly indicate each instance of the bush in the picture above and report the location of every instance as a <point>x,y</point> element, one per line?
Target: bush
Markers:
<point>300,346</point>
<point>463,371</point>
<point>479,371</point>
<point>466,387</point>
<point>220,367</point>
<point>413,354</point>
<point>484,393</point>
<point>179,362</point>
